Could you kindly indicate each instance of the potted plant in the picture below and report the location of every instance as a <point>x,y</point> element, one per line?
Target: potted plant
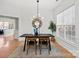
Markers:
<point>52,27</point>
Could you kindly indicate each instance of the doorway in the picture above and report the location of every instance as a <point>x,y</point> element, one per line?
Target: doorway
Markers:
<point>9,25</point>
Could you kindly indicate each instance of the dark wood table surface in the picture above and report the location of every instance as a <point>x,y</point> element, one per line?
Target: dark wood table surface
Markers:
<point>35,36</point>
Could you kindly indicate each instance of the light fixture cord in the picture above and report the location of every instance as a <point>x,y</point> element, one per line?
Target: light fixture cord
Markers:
<point>37,8</point>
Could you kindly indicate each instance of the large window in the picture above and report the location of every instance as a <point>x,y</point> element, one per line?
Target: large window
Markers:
<point>66,24</point>
<point>9,25</point>
<point>4,25</point>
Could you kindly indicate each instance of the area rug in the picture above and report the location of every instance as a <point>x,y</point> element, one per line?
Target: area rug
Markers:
<point>18,53</point>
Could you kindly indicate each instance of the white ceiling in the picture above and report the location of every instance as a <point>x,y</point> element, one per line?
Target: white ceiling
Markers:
<point>32,3</point>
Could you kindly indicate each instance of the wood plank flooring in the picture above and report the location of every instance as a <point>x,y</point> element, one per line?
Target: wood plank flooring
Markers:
<point>8,46</point>
<point>64,51</point>
<point>11,44</point>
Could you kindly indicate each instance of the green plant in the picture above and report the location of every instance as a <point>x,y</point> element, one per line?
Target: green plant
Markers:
<point>52,26</point>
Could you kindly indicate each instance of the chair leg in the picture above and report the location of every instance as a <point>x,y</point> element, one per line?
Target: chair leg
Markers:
<point>27,46</point>
<point>35,47</point>
<point>46,43</point>
<point>40,46</point>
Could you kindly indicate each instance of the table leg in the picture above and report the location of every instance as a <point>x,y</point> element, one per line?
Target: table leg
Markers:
<point>24,44</point>
<point>49,46</point>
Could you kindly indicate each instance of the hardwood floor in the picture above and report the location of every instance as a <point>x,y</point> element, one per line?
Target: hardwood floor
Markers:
<point>9,45</point>
<point>64,51</point>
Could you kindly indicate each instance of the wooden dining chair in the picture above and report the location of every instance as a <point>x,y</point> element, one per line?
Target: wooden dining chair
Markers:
<point>44,44</point>
<point>31,42</point>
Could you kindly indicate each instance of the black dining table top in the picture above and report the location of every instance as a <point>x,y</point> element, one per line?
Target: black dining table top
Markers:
<point>25,35</point>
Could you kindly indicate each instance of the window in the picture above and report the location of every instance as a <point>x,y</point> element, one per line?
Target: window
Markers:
<point>66,24</point>
<point>5,25</point>
<point>1,25</point>
<point>7,22</point>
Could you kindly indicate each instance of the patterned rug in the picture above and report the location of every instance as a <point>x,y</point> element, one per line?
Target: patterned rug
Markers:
<point>18,53</point>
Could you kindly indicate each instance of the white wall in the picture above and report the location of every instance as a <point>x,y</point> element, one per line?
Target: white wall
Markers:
<point>25,10</point>
<point>72,47</point>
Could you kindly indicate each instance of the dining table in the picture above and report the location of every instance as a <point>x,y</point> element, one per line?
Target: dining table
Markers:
<point>26,36</point>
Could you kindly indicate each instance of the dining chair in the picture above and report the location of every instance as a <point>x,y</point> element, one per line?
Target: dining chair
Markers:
<point>44,44</point>
<point>31,42</point>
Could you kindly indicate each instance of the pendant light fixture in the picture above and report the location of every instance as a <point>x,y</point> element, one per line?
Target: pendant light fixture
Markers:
<point>36,22</point>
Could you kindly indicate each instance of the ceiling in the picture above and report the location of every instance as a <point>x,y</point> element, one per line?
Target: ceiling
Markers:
<point>28,7</point>
<point>32,3</point>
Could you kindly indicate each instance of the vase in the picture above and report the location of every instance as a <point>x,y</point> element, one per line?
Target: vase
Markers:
<point>36,31</point>
<point>54,33</point>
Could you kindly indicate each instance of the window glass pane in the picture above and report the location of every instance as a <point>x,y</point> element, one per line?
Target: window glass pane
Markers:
<point>6,25</point>
<point>1,25</point>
